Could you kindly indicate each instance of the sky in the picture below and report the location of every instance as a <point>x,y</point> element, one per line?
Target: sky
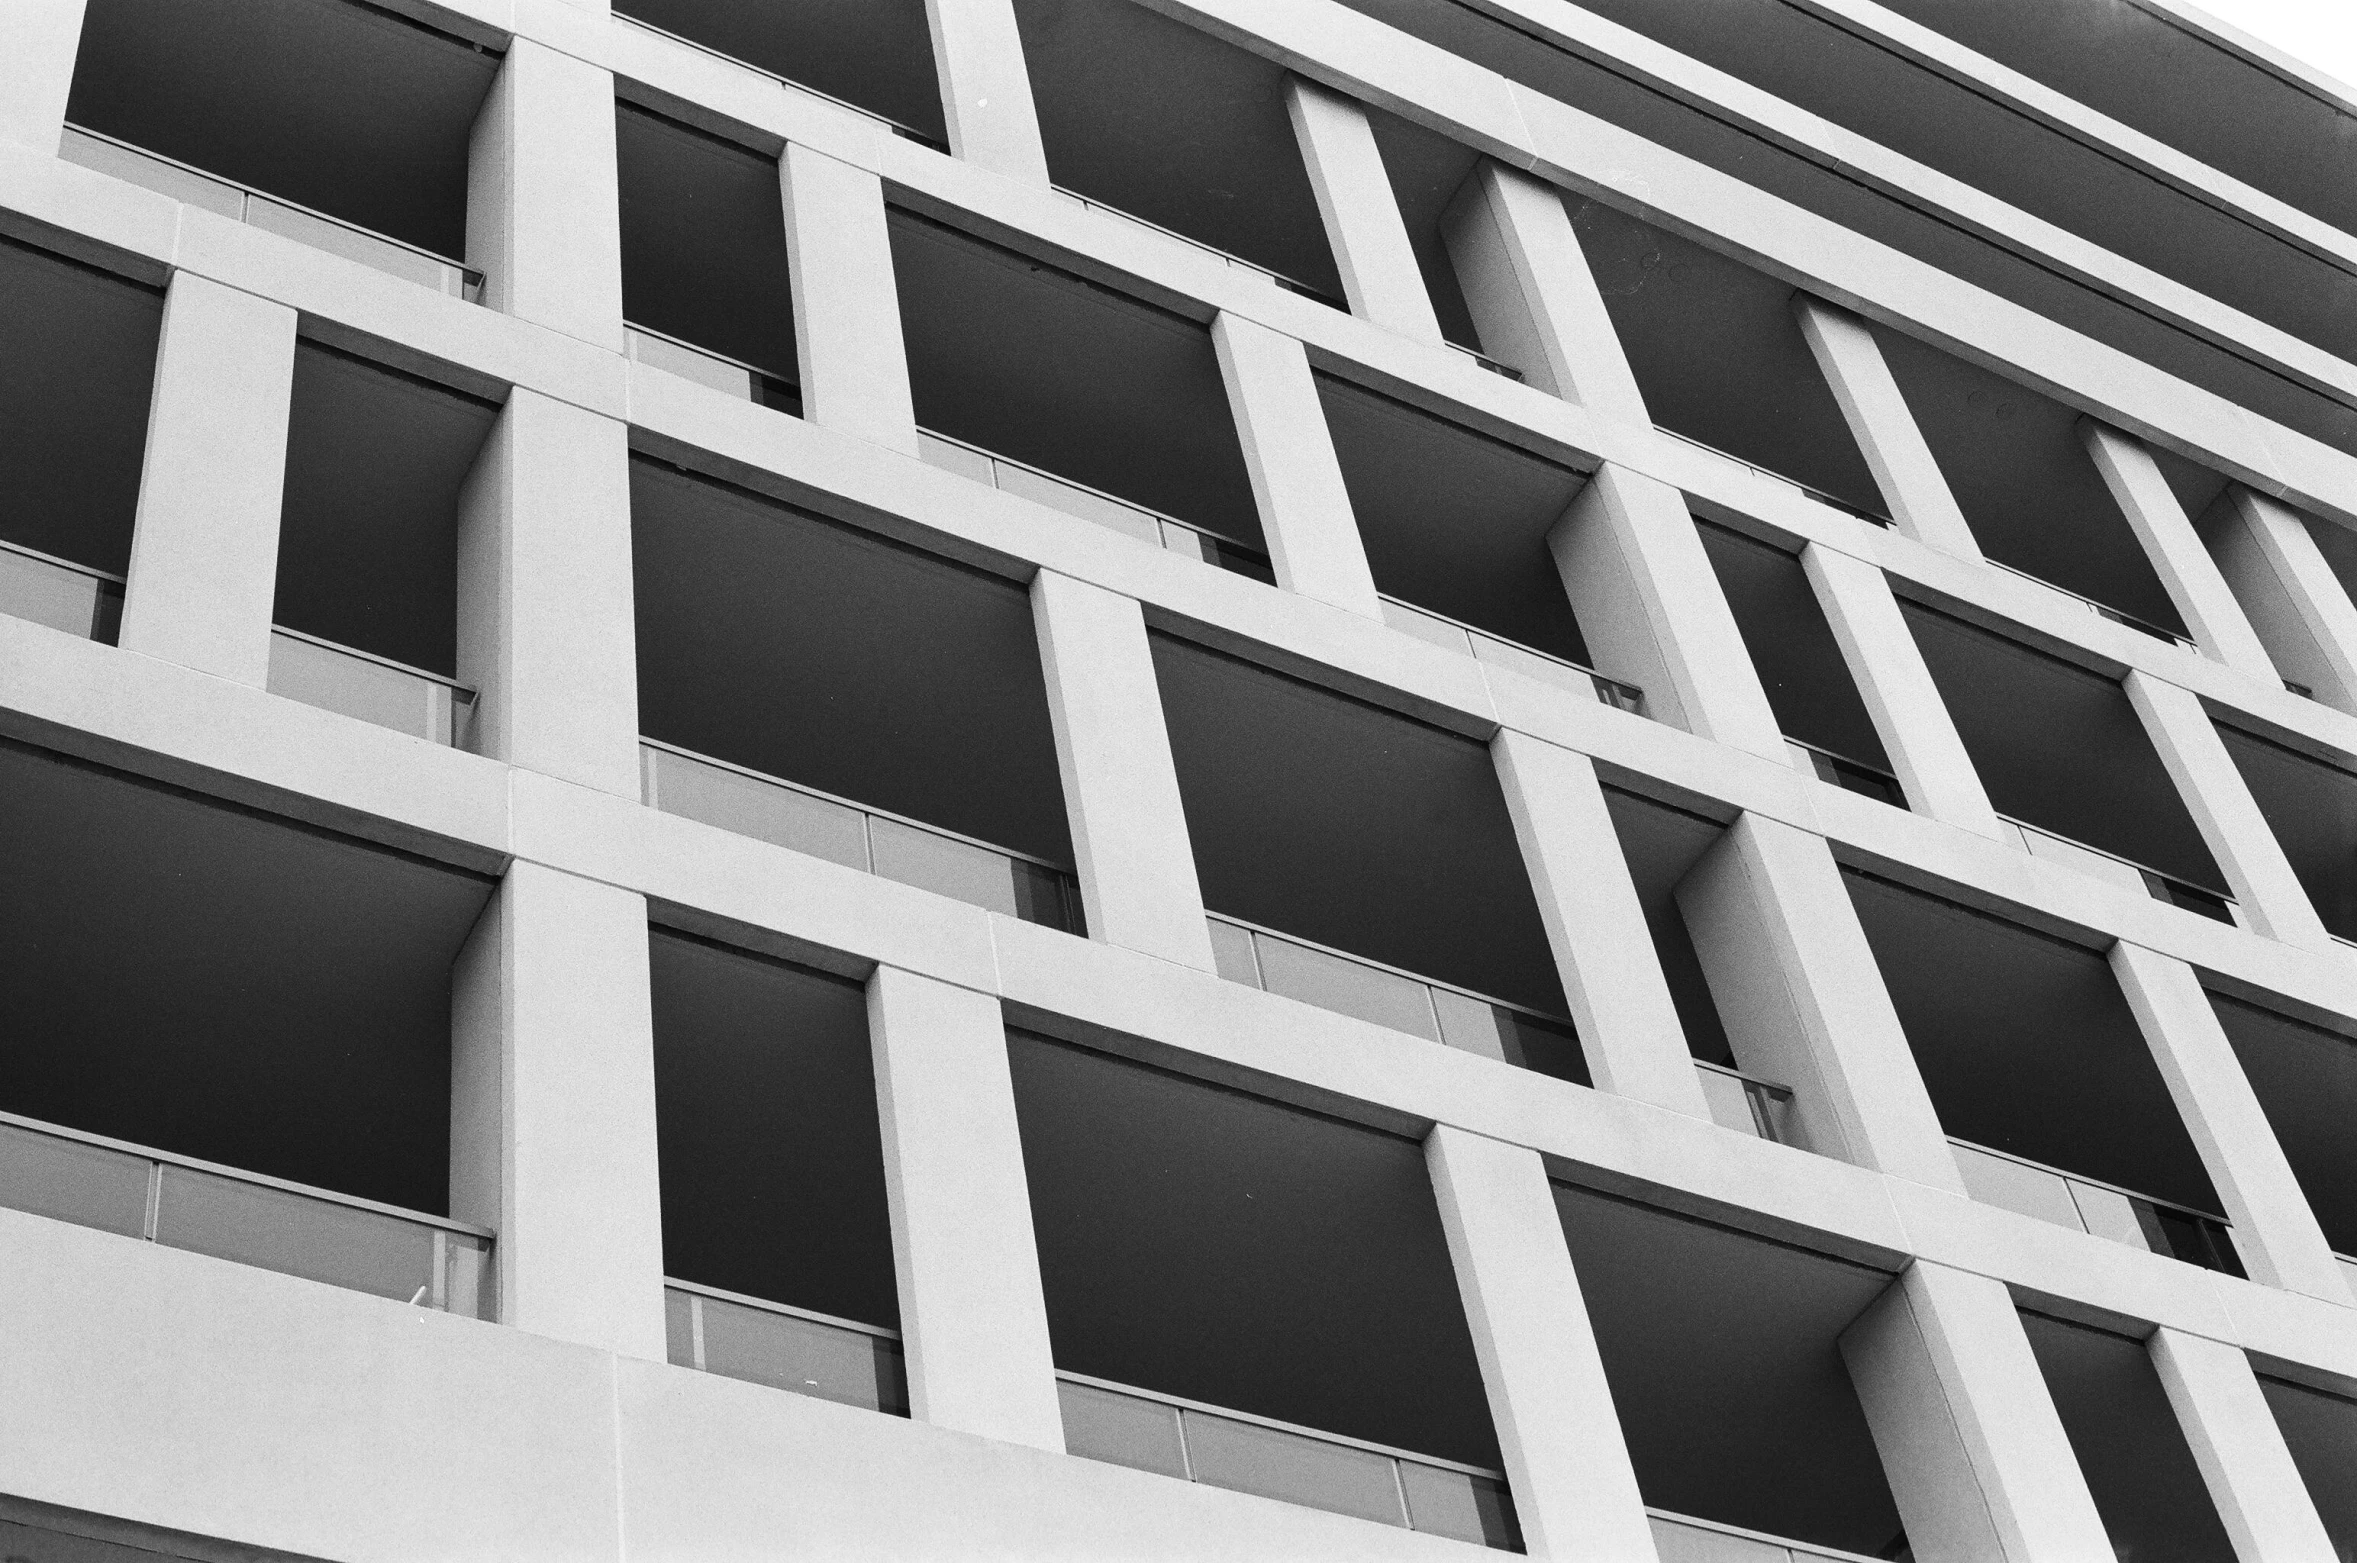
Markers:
<point>2320,33</point>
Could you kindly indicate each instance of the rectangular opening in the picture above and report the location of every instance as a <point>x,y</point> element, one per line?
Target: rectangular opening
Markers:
<point>2311,806</point>
<point>1426,171</point>
<point>2320,1429</point>
<point>2306,1080</point>
<point>876,55</point>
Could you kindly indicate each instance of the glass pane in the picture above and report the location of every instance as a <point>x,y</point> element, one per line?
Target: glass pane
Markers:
<point>2085,859</point>
<point>180,184</point>
<point>679,1329</point>
<point>1729,1102</point>
<point>2011,1186</point>
<point>954,458</point>
<point>67,1180</point>
<point>1451,1503</point>
<point>1473,1025</point>
<point>756,808</point>
<point>969,873</point>
<point>353,686</point>
<point>293,1234</point>
<point>1426,627</point>
<point>1530,664</point>
<point>1775,1113</point>
<point>688,364</point>
<point>820,1360</point>
<point>1044,896</point>
<point>1677,1543</point>
<point>1059,495</point>
<point>2107,1214</point>
<point>468,1282</point>
<point>1330,982</point>
<point>1121,1429</point>
<point>49,594</point>
<point>1542,1047</point>
<point>1231,953</point>
<point>324,233</point>
<point>1247,1458</point>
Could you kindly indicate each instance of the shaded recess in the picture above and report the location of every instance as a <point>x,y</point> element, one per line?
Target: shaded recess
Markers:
<point>2306,1080</point>
<point>873,54</point>
<point>704,242</point>
<point>227,985</point>
<point>2146,1485</point>
<point>79,346</point>
<point>368,530</point>
<point>1225,1248</point>
<point>1455,521</point>
<point>1723,1353</point>
<point>344,108</point>
<point>2311,806</point>
<point>772,1161</point>
<point>1022,359</point>
<point>2061,748</point>
<point>2321,1431</point>
<point>1157,119</point>
<point>1315,814</point>
<point>808,650</point>
<point>1719,355</point>
<point>1427,170</point>
<point>1661,844</point>
<point>1792,647</point>
<point>2027,1045</point>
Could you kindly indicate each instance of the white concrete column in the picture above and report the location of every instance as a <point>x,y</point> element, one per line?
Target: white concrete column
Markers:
<point>1921,504</point>
<point>846,309</point>
<point>2252,1482</point>
<point>973,1320</point>
<point>985,88</point>
<point>552,1109</point>
<point>1628,1026</point>
<point>2297,606</point>
<point>1909,716</point>
<point>546,632</point>
<point>1121,793</point>
<point>1795,980</point>
<point>544,221</point>
<point>1305,516</point>
<point>1974,1450</point>
<point>1652,611</point>
<point>2237,834</point>
<point>39,40</point>
<point>1363,225</point>
<point>2274,1231</point>
<point>204,547</point>
<point>2192,578</point>
<point>1575,1492</point>
<point>1531,294</point>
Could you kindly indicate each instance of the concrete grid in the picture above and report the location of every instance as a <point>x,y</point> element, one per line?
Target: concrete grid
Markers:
<point>285,1415</point>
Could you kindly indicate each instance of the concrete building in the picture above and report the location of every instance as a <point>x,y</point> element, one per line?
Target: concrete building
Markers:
<point>1175,779</point>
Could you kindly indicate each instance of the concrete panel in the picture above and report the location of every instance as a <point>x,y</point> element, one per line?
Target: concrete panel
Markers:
<point>846,314</point>
<point>2196,586</point>
<point>1372,252</point>
<point>2244,1462</point>
<point>38,42</point>
<point>985,90</point>
<point>542,222</point>
<point>1886,431</point>
<point>2297,606</point>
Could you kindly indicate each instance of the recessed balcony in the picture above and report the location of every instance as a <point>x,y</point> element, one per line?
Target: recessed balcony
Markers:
<point>875,56</point>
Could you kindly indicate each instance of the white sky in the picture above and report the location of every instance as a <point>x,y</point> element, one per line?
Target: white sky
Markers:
<point>2319,33</point>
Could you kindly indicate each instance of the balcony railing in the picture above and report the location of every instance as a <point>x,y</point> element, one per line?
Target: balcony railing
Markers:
<point>1295,968</point>
<point>372,688</point>
<point>245,204</point>
<point>1755,1107</point>
<point>1237,261</point>
<point>1817,494</point>
<point>803,819</point>
<point>2124,872</point>
<point>1847,774</point>
<point>2100,610</point>
<point>1244,1453</point>
<point>92,1181</point>
<point>2102,1209</point>
<point>786,1348</point>
<point>905,132</point>
<point>1482,646</point>
<point>717,370</point>
<point>1486,362</point>
<point>2348,1270</point>
<point>1078,499</point>
<point>1681,1538</point>
<point>63,595</point>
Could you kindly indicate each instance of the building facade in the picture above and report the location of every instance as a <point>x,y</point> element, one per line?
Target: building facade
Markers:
<point>1175,779</point>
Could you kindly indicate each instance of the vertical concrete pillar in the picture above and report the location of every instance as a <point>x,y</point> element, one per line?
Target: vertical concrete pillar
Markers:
<point>1805,1006</point>
<point>204,547</point>
<point>1129,827</point>
<point>2192,578</point>
<point>2252,1482</point>
<point>39,40</point>
<point>1921,504</point>
<point>552,1109</point>
<point>1909,716</point>
<point>2297,606</point>
<point>544,219</point>
<point>846,309</point>
<point>985,87</point>
<point>973,1320</point>
<point>546,633</point>
<point>1531,294</point>
<point>1363,226</point>
<point>1575,1492</point>
<point>2274,1231</point>
<point>2221,804</point>
<point>1971,1443</point>
<point>1305,513</point>
<point>1652,611</point>
<point>1628,1026</point>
